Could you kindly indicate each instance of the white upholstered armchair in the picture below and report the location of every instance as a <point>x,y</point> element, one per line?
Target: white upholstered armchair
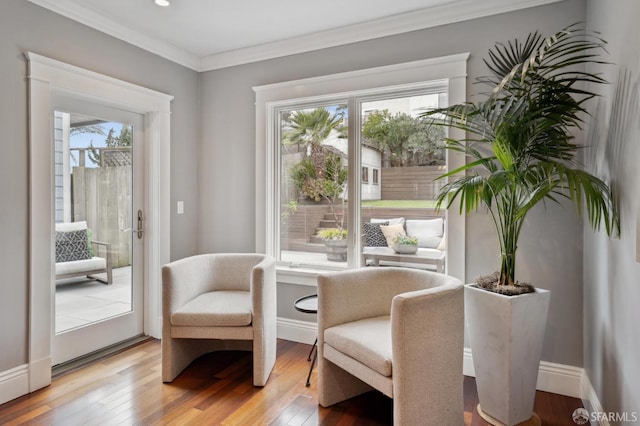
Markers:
<point>397,330</point>
<point>214,302</point>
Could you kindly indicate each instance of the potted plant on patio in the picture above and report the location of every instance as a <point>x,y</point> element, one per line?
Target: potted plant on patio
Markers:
<point>520,152</point>
<point>404,244</point>
<point>324,180</point>
<point>335,241</point>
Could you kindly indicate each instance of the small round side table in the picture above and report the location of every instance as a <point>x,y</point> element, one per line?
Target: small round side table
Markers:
<point>309,305</point>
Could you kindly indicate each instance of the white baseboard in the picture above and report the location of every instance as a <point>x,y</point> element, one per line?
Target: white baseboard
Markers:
<point>297,331</point>
<point>591,401</point>
<point>14,383</point>
<point>556,378</point>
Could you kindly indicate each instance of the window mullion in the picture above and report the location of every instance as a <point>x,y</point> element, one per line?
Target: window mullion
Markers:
<point>354,183</point>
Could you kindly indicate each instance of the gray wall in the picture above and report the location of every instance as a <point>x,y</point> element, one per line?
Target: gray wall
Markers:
<point>612,287</point>
<point>27,27</point>
<point>551,253</point>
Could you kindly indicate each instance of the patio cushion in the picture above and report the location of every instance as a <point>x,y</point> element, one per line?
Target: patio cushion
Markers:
<point>215,309</point>
<point>75,266</point>
<point>393,221</point>
<point>367,341</point>
<point>429,232</point>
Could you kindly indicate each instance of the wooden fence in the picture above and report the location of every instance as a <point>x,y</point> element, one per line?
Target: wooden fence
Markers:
<point>411,183</point>
<point>102,197</point>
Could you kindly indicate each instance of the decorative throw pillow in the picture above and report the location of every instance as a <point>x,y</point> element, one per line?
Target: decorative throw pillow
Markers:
<point>427,231</point>
<point>443,243</point>
<point>72,246</point>
<point>373,234</point>
<point>391,231</point>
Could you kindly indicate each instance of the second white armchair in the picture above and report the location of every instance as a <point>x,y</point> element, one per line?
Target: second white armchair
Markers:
<point>397,330</point>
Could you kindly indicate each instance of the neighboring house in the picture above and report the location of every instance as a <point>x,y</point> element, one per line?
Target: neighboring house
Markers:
<point>371,159</point>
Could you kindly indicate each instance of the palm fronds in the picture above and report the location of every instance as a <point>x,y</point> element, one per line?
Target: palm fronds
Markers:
<point>519,144</point>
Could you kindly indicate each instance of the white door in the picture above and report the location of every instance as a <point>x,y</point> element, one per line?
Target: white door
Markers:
<point>99,191</point>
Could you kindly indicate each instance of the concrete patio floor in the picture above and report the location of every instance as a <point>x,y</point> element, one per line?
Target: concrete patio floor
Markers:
<point>80,301</point>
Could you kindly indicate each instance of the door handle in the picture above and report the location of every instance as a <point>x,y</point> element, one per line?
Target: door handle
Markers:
<point>138,231</point>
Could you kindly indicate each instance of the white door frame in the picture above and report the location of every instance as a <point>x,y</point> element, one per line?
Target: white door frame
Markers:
<point>46,75</point>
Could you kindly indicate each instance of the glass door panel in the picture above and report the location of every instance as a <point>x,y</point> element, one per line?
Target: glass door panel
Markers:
<point>98,208</point>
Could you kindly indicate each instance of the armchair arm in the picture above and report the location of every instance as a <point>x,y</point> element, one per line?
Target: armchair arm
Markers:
<point>263,289</point>
<point>427,334</point>
<point>184,279</point>
<point>107,248</point>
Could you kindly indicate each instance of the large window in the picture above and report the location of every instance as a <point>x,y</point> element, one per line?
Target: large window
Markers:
<point>314,162</point>
<point>350,166</point>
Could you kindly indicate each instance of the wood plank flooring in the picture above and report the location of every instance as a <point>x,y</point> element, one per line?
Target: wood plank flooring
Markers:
<point>126,389</point>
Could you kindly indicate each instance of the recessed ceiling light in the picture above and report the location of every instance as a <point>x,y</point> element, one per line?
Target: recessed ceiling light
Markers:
<point>162,3</point>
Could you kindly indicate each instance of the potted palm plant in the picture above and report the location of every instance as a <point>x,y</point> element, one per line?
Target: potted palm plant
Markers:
<point>520,151</point>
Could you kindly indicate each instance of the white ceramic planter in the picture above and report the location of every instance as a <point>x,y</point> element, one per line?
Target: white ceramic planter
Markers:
<point>506,335</point>
<point>405,248</point>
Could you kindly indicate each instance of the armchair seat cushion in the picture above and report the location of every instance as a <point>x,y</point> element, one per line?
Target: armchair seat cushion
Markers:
<point>215,309</point>
<point>367,341</point>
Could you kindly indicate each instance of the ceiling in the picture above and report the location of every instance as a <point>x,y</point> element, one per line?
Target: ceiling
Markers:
<point>211,34</point>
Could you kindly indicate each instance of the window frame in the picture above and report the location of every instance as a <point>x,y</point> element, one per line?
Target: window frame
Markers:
<point>354,86</point>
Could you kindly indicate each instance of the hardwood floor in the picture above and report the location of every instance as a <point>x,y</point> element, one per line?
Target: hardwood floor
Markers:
<point>125,389</point>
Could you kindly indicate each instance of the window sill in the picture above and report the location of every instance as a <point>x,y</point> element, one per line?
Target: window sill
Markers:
<point>299,275</point>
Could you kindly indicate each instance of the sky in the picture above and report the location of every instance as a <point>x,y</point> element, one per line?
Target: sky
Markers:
<point>84,140</point>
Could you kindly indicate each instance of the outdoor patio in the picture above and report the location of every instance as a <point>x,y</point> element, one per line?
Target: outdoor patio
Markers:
<point>81,301</point>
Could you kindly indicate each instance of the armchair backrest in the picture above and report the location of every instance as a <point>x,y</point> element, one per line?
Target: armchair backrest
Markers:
<point>186,278</point>
<point>356,294</point>
<point>232,272</point>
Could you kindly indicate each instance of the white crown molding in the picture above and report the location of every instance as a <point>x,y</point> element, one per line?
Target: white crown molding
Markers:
<point>96,21</point>
<point>463,10</point>
<point>457,11</point>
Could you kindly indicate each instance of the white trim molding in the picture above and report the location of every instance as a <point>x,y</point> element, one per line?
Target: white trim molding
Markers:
<point>14,383</point>
<point>556,378</point>
<point>297,331</point>
<point>446,13</point>
<point>79,13</point>
<point>46,77</point>
<point>449,72</point>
